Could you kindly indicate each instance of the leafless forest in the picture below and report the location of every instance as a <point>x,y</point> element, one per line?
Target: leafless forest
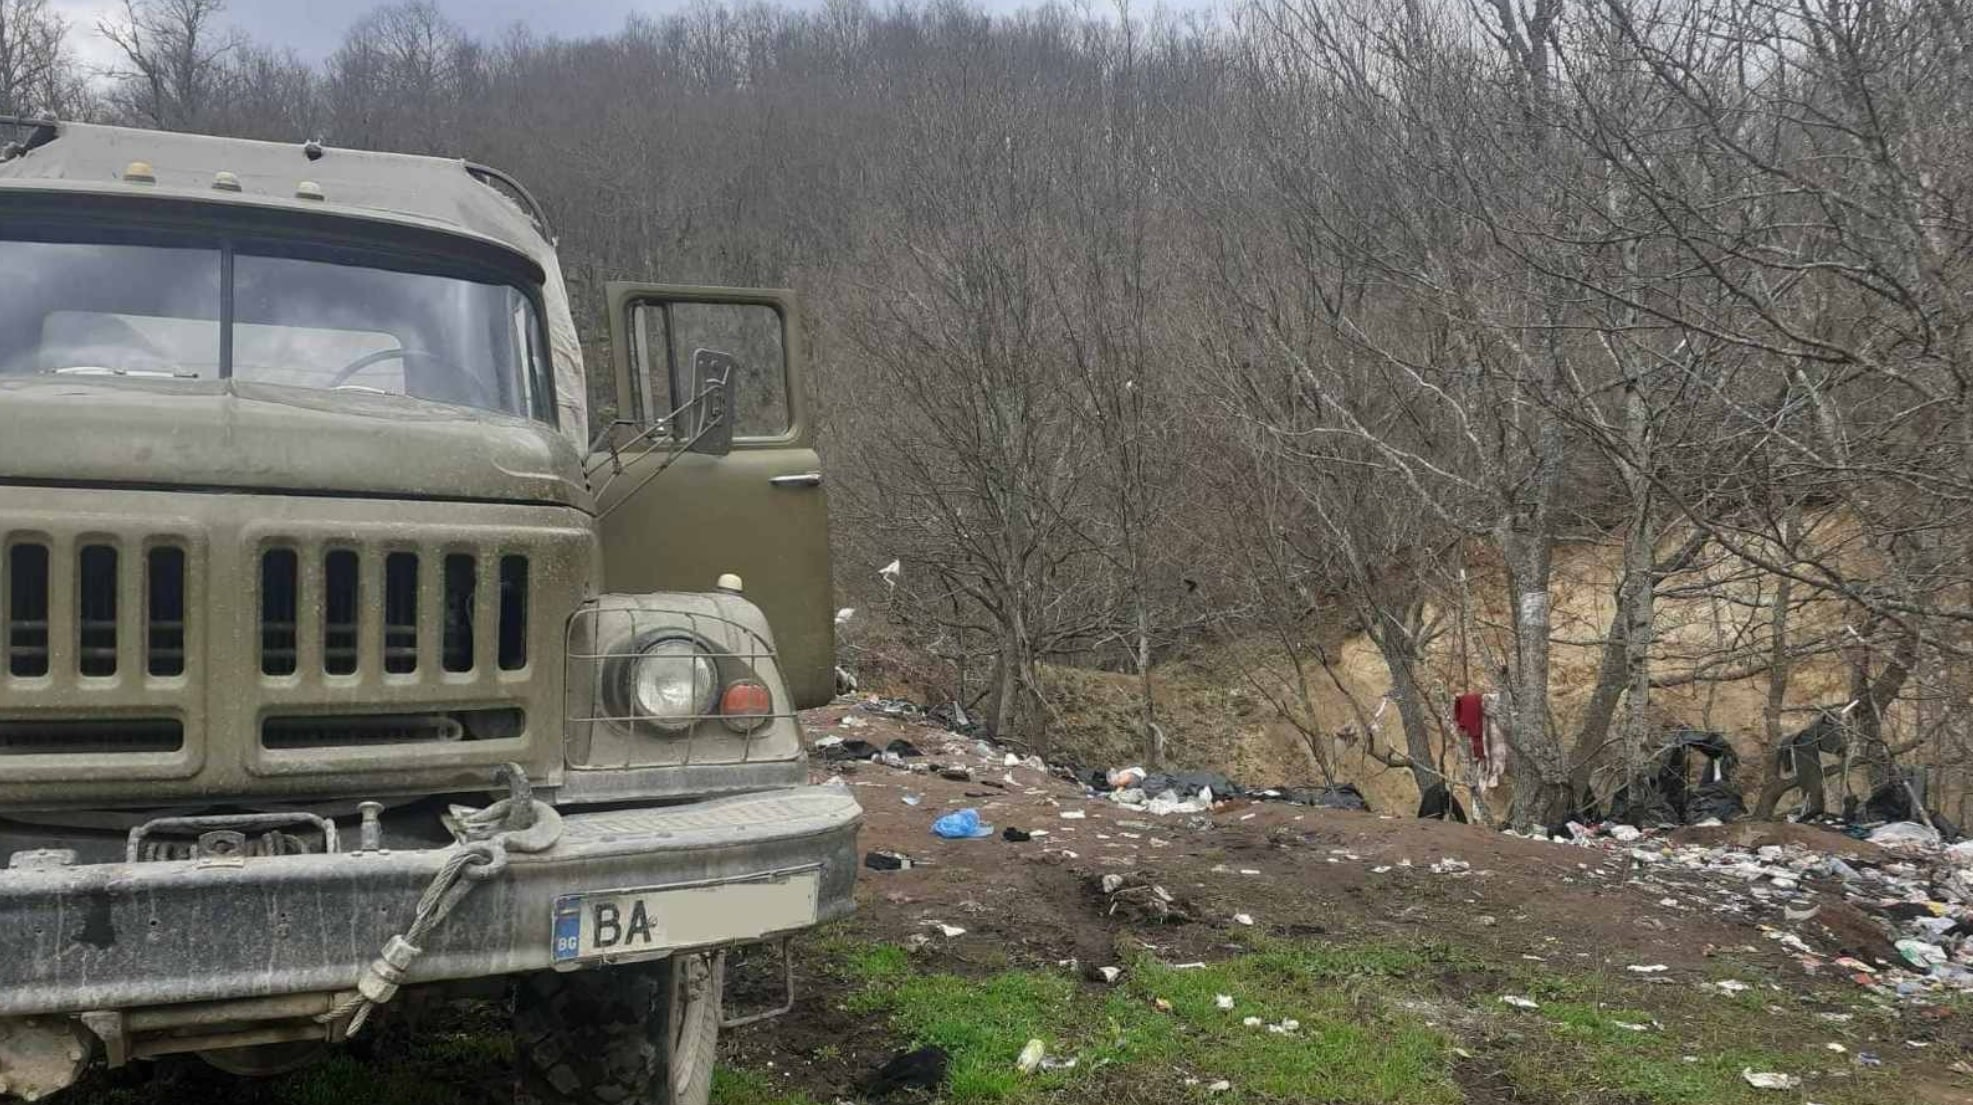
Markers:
<point>1135,331</point>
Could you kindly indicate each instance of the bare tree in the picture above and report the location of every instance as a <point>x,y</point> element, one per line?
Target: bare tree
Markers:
<point>174,56</point>
<point>37,73</point>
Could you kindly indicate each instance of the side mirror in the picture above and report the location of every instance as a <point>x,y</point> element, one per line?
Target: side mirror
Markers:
<point>709,419</point>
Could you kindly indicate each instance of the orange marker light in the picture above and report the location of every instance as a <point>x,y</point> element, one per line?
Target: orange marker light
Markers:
<point>746,705</point>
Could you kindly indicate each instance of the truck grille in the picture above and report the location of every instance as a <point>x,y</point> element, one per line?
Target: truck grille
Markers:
<point>157,646</point>
<point>27,610</point>
<point>99,588</point>
<point>401,631</point>
<point>82,737</point>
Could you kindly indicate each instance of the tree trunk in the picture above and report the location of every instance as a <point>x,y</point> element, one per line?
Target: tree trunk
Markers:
<point>1398,646</point>
<point>1541,772</point>
<point>1154,737</point>
<point>1774,783</point>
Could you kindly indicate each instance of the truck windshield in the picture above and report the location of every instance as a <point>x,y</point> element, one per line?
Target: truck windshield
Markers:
<point>114,309</point>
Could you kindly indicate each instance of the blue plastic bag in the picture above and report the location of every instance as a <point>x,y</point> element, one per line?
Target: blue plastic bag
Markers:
<point>964,825</point>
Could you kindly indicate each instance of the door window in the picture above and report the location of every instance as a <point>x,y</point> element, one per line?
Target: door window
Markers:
<point>664,336</point>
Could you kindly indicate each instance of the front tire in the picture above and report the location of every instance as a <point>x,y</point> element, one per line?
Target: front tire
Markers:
<point>645,1034</point>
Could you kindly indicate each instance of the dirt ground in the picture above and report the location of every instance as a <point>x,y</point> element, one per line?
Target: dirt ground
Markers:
<point>1490,914</point>
<point>1296,872</point>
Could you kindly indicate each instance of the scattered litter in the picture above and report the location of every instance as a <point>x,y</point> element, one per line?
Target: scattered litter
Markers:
<point>1252,1022</point>
<point>1220,1086</point>
<point>1243,918</point>
<point>923,1069</point>
<point>963,825</point>
<point>888,861</point>
<point>913,799</point>
<point>1052,1063</point>
<point>1161,1005</point>
<point>1768,1080</point>
<point>1632,1026</point>
<point>1519,1002</point>
<point>1072,815</point>
<point>1835,1047</point>
<point>1904,834</point>
<point>1016,836</point>
<point>1922,955</point>
<point>1286,1027</point>
<point>1136,898</point>
<point>1224,1001</point>
<point>1870,1059</point>
<point>1647,968</point>
<point>1031,1057</point>
<point>1732,985</point>
<point>1109,974</point>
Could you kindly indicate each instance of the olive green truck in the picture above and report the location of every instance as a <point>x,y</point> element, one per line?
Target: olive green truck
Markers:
<point>342,663</point>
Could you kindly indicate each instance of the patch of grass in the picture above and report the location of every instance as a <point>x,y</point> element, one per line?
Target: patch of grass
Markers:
<point>875,963</point>
<point>1350,1046</point>
<point>1575,1049</point>
<point>340,1079</point>
<point>745,1087</point>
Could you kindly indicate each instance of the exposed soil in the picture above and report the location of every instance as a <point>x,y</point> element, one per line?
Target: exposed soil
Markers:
<point>1294,871</point>
<point>1310,874</point>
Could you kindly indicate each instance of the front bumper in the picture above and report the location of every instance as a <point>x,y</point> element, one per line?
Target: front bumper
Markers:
<point>129,935</point>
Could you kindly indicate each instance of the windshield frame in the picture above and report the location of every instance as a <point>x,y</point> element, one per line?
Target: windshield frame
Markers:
<point>332,239</point>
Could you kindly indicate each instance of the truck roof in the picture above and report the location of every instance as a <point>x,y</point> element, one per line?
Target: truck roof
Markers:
<point>444,194</point>
<point>436,192</point>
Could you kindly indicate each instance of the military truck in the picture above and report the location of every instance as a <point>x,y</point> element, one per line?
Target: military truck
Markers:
<point>342,664</point>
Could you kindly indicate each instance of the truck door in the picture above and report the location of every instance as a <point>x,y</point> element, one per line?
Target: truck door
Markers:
<point>677,521</point>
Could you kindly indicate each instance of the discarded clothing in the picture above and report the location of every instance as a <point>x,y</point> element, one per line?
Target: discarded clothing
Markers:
<point>852,749</point>
<point>1439,803</point>
<point>1015,836</point>
<point>1343,796</point>
<point>923,1069</point>
<point>1662,793</point>
<point>1188,784</point>
<point>955,719</point>
<point>1470,714</point>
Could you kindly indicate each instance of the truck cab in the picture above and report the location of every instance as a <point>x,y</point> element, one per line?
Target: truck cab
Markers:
<point>340,654</point>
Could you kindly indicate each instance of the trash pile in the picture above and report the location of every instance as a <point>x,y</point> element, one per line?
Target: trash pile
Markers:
<point>1916,890</point>
<point>1163,793</point>
<point>1160,794</point>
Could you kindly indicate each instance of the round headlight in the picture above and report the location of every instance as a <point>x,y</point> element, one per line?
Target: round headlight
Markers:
<point>672,683</point>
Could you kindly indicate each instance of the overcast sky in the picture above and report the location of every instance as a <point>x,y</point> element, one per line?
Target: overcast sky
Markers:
<point>314,27</point>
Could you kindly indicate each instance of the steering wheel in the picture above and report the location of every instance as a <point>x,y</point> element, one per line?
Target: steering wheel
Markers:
<point>473,383</point>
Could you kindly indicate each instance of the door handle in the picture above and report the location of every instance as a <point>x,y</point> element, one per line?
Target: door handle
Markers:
<point>805,479</point>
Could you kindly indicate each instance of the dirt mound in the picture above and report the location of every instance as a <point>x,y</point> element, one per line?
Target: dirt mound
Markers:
<point>1761,834</point>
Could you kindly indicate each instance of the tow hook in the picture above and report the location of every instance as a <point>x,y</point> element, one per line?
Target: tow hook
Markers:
<point>520,797</point>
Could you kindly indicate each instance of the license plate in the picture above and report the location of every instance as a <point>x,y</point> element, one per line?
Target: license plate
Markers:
<point>611,923</point>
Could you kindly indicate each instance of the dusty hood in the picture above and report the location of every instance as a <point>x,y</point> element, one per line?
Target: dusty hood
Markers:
<point>227,434</point>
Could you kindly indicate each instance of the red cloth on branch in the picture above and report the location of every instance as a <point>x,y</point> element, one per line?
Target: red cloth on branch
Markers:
<point>1469,712</point>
